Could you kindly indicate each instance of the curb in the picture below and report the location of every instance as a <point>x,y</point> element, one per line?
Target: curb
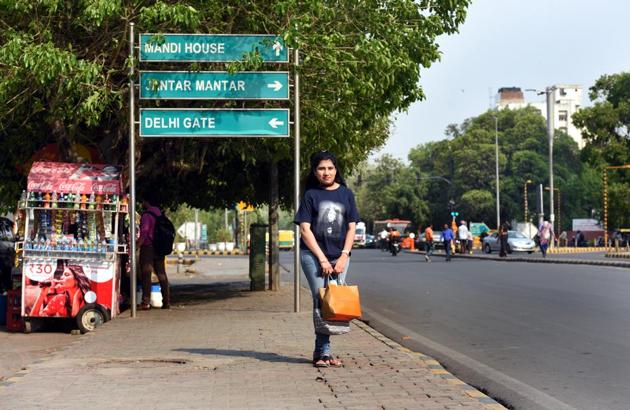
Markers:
<point>435,367</point>
<point>210,253</point>
<point>618,255</point>
<point>589,249</point>
<point>530,260</point>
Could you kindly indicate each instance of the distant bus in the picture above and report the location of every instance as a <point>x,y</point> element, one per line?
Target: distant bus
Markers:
<point>286,239</point>
<point>360,235</point>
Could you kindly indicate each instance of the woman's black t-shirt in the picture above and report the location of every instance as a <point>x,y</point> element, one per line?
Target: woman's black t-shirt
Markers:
<point>329,213</point>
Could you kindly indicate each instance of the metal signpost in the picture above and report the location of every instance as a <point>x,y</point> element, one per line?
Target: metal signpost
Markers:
<point>209,85</point>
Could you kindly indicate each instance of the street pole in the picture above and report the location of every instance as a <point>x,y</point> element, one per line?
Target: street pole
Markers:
<point>529,228</point>
<point>296,172</point>
<point>541,206</point>
<point>196,233</point>
<point>496,158</point>
<point>132,175</point>
<point>549,91</point>
<point>559,214</point>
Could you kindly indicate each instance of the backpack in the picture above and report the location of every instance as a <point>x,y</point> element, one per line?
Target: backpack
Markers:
<point>163,235</point>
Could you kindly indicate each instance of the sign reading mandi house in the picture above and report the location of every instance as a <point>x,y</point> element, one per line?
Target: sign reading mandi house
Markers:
<point>211,47</point>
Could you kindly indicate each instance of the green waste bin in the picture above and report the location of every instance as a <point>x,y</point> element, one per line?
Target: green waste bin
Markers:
<point>257,256</point>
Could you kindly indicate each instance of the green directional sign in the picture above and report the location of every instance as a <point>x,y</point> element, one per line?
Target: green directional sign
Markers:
<point>214,122</point>
<point>211,47</point>
<point>218,85</point>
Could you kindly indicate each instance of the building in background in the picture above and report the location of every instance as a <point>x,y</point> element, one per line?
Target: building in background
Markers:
<point>567,100</point>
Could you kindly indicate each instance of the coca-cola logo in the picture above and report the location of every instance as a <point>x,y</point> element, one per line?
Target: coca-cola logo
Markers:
<point>108,188</point>
<point>42,186</point>
<point>72,187</point>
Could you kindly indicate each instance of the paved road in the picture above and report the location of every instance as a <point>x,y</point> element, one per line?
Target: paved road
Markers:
<point>532,335</point>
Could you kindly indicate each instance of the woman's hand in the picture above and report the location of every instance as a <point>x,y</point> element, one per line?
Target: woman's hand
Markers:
<point>327,268</point>
<point>340,266</point>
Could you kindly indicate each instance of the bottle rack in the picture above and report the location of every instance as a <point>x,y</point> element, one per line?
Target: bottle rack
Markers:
<point>34,249</point>
<point>118,208</point>
<point>111,250</point>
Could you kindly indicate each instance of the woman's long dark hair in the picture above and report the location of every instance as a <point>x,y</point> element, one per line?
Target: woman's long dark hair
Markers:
<point>316,158</point>
<point>83,283</point>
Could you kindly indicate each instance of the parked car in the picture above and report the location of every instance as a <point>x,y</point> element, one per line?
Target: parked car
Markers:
<point>370,241</point>
<point>7,253</point>
<point>437,241</point>
<point>517,242</point>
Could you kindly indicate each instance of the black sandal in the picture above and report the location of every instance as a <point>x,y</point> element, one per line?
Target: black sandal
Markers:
<point>331,361</point>
<point>318,360</point>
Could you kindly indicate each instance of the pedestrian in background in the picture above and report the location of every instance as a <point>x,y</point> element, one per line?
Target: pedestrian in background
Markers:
<point>462,234</point>
<point>150,261</point>
<point>545,230</point>
<point>383,235</point>
<point>471,240</point>
<point>325,252</point>
<point>428,242</point>
<point>503,239</point>
<point>448,237</point>
<point>562,239</point>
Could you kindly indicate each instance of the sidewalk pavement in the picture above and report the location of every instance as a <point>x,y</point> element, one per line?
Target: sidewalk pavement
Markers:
<point>221,346</point>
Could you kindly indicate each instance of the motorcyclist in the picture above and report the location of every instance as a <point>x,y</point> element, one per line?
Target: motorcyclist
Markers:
<point>394,238</point>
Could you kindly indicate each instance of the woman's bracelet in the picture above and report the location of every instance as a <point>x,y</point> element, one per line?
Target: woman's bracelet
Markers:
<point>347,252</point>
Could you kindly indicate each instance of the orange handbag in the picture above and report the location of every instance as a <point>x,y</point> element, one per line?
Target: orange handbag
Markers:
<point>340,303</point>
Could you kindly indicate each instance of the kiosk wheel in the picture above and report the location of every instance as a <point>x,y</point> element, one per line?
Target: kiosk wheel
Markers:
<point>90,317</point>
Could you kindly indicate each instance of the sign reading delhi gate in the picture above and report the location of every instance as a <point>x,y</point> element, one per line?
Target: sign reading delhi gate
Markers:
<point>186,85</point>
<point>211,47</point>
<point>214,122</point>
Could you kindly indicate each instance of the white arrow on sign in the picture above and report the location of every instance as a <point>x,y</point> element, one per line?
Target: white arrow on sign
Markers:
<point>275,122</point>
<point>277,47</point>
<point>276,85</point>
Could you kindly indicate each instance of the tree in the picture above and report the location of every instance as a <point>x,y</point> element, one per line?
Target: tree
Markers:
<point>606,128</point>
<point>478,205</point>
<point>390,190</point>
<point>64,80</point>
<point>606,125</point>
<point>468,161</point>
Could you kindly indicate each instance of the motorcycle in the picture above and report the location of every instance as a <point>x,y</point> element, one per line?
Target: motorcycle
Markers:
<point>395,248</point>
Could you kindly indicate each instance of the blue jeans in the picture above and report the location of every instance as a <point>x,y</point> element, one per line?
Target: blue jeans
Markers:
<point>428,247</point>
<point>313,272</point>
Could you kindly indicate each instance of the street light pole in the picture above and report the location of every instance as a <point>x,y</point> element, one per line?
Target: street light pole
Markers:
<point>529,229</point>
<point>496,158</point>
<point>549,91</point>
<point>557,190</point>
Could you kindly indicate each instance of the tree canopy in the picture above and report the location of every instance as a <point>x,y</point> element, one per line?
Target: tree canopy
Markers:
<point>64,80</point>
<point>606,128</point>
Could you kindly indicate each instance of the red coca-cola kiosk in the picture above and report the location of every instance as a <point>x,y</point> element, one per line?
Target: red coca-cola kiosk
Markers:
<point>71,219</point>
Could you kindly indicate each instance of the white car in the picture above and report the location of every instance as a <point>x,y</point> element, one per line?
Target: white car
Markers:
<point>517,242</point>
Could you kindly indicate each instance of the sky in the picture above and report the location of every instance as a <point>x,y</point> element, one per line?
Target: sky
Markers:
<point>513,43</point>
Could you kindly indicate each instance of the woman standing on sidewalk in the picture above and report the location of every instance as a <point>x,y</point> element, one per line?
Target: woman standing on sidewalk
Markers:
<point>327,217</point>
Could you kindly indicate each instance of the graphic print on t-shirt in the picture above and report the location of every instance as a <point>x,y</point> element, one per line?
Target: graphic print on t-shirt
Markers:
<point>330,219</point>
